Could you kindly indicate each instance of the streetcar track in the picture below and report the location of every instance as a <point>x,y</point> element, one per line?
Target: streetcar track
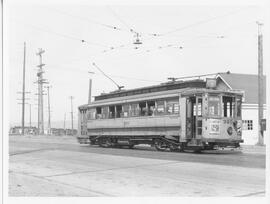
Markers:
<point>66,184</point>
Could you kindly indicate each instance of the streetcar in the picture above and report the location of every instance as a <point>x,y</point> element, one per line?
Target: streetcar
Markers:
<point>172,116</point>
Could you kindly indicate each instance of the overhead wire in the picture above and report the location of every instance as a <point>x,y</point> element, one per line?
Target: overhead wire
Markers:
<point>201,22</point>
<point>59,34</point>
<point>90,21</point>
<point>120,19</point>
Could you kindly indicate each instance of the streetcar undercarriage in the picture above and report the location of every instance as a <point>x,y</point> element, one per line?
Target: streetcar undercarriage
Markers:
<point>159,142</point>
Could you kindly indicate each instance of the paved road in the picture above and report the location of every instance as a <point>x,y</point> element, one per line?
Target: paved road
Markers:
<point>241,158</point>
<point>45,166</point>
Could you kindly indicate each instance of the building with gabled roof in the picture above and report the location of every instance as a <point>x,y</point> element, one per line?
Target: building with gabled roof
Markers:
<point>248,84</point>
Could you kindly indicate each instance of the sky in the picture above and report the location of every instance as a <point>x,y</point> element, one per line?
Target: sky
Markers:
<point>177,40</point>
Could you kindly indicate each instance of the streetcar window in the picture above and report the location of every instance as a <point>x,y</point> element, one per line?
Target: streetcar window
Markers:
<point>98,112</point>
<point>214,105</point>
<point>118,111</point>
<point>134,110</point>
<point>91,114</point>
<point>151,107</point>
<point>160,107</point>
<point>238,106</point>
<point>228,106</point>
<point>105,112</point>
<point>143,108</point>
<point>189,108</point>
<point>111,111</point>
<point>125,111</point>
<point>172,106</point>
<point>199,108</point>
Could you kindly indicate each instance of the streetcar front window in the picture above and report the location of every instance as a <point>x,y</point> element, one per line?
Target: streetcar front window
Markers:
<point>238,106</point>
<point>228,106</point>
<point>214,105</point>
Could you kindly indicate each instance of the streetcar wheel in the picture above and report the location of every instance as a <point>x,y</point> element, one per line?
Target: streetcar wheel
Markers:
<point>160,146</point>
<point>174,148</point>
<point>131,146</point>
<point>198,151</point>
<point>105,143</point>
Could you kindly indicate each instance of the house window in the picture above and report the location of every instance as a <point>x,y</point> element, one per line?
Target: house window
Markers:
<point>247,124</point>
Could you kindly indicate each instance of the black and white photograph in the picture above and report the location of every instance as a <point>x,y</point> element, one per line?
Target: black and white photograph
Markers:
<point>135,100</point>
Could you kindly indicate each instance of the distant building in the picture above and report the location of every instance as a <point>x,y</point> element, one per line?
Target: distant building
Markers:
<point>249,85</point>
<point>61,131</point>
<point>17,130</point>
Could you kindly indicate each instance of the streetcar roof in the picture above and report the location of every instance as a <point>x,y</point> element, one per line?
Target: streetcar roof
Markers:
<point>158,95</point>
<point>176,85</point>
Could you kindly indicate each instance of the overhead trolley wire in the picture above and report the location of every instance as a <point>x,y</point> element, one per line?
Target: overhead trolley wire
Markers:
<point>123,22</point>
<point>60,34</point>
<point>200,22</point>
<point>90,21</point>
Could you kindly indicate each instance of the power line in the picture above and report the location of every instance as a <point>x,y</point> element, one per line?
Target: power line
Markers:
<point>60,34</point>
<point>90,21</point>
<point>120,19</point>
<point>200,22</point>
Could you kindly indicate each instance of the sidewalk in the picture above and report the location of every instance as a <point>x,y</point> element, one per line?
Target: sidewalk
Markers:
<point>253,149</point>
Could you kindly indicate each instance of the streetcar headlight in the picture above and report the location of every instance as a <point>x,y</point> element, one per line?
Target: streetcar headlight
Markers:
<point>230,130</point>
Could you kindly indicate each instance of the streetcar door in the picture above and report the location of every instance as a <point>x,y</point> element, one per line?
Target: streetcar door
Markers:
<point>194,117</point>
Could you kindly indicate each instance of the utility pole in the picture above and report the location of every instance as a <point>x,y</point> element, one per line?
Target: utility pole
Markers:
<point>65,124</point>
<point>260,84</point>
<point>71,98</point>
<point>30,125</point>
<point>90,91</point>
<point>90,88</point>
<point>49,110</point>
<point>23,89</point>
<point>40,82</point>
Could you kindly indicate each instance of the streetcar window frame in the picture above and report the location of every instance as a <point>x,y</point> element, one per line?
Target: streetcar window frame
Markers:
<point>172,106</point>
<point>111,111</point>
<point>151,108</point>
<point>118,111</point>
<point>228,106</point>
<point>160,107</point>
<point>98,112</point>
<point>143,108</point>
<point>238,106</point>
<point>214,106</point>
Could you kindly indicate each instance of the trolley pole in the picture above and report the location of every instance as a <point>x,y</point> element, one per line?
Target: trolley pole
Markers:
<point>23,89</point>
<point>71,98</point>
<point>260,84</point>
